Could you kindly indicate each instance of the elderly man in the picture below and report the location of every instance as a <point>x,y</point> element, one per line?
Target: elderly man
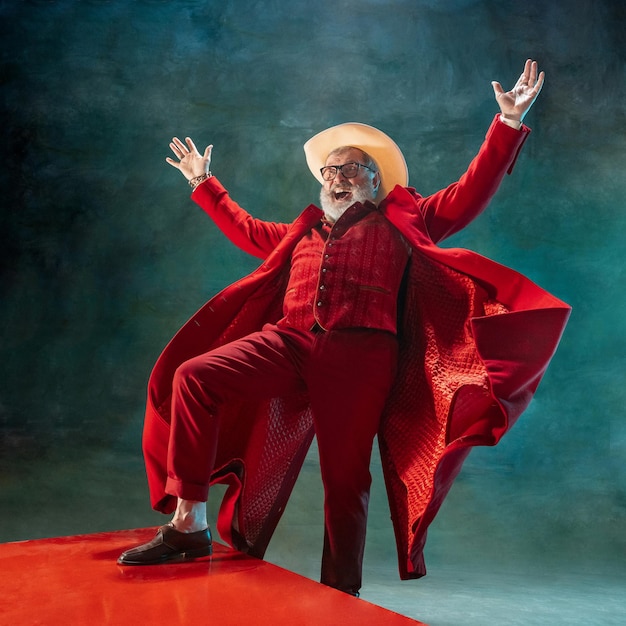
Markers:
<point>355,324</point>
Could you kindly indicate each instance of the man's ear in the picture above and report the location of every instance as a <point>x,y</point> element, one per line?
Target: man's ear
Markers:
<point>376,182</point>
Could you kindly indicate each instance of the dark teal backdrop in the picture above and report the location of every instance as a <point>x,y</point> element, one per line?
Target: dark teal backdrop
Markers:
<point>104,256</point>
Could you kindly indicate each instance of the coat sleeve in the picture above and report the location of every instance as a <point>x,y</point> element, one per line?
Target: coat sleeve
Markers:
<point>451,209</point>
<point>254,236</point>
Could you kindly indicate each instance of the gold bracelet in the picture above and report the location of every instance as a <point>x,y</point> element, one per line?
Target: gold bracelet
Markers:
<point>194,182</point>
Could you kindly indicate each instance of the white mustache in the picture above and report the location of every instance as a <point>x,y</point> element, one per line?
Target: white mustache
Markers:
<point>341,187</point>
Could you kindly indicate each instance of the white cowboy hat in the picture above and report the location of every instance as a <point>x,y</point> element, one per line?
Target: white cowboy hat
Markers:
<point>386,153</point>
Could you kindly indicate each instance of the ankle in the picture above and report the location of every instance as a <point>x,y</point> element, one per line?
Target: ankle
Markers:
<point>190,516</point>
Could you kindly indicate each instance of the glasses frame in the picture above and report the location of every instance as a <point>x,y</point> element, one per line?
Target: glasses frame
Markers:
<point>339,168</point>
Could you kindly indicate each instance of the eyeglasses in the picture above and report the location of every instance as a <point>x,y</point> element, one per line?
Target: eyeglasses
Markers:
<point>349,170</point>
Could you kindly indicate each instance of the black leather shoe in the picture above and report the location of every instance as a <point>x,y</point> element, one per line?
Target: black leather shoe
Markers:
<point>168,545</point>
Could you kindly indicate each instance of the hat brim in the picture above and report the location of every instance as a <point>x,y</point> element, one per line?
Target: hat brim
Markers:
<point>388,156</point>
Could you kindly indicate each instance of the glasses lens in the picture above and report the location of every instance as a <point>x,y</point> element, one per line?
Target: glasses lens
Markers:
<point>350,170</point>
<point>329,172</point>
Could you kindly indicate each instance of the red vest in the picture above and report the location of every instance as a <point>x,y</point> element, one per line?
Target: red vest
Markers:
<point>347,275</point>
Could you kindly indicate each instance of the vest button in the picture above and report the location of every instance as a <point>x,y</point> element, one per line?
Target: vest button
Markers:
<point>319,303</point>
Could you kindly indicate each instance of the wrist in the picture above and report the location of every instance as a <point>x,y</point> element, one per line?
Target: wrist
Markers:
<point>511,121</point>
<point>196,180</point>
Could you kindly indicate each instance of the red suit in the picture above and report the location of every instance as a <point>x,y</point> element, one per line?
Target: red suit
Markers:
<point>474,340</point>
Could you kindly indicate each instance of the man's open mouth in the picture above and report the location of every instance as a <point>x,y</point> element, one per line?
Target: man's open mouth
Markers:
<point>341,194</point>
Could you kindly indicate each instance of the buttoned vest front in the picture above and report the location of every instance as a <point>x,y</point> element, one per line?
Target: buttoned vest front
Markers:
<point>347,275</point>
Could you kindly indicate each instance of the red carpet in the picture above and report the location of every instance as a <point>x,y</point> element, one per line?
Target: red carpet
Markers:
<point>75,580</point>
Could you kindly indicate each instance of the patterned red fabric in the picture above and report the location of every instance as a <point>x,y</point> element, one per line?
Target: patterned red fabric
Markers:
<point>476,338</point>
<point>357,283</point>
<point>441,378</point>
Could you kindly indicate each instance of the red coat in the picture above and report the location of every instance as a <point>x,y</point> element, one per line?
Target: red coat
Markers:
<point>475,340</point>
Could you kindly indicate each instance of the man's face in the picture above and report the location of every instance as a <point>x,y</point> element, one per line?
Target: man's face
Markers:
<point>341,193</point>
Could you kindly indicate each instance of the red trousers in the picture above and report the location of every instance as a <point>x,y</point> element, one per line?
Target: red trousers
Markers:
<point>347,375</point>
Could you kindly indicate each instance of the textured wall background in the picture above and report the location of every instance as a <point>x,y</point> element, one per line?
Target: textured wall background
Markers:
<point>104,256</point>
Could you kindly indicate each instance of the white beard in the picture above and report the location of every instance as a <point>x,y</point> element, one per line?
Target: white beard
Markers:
<point>334,209</point>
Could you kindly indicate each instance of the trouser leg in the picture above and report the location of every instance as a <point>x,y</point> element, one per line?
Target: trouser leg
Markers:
<point>349,376</point>
<point>261,365</point>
